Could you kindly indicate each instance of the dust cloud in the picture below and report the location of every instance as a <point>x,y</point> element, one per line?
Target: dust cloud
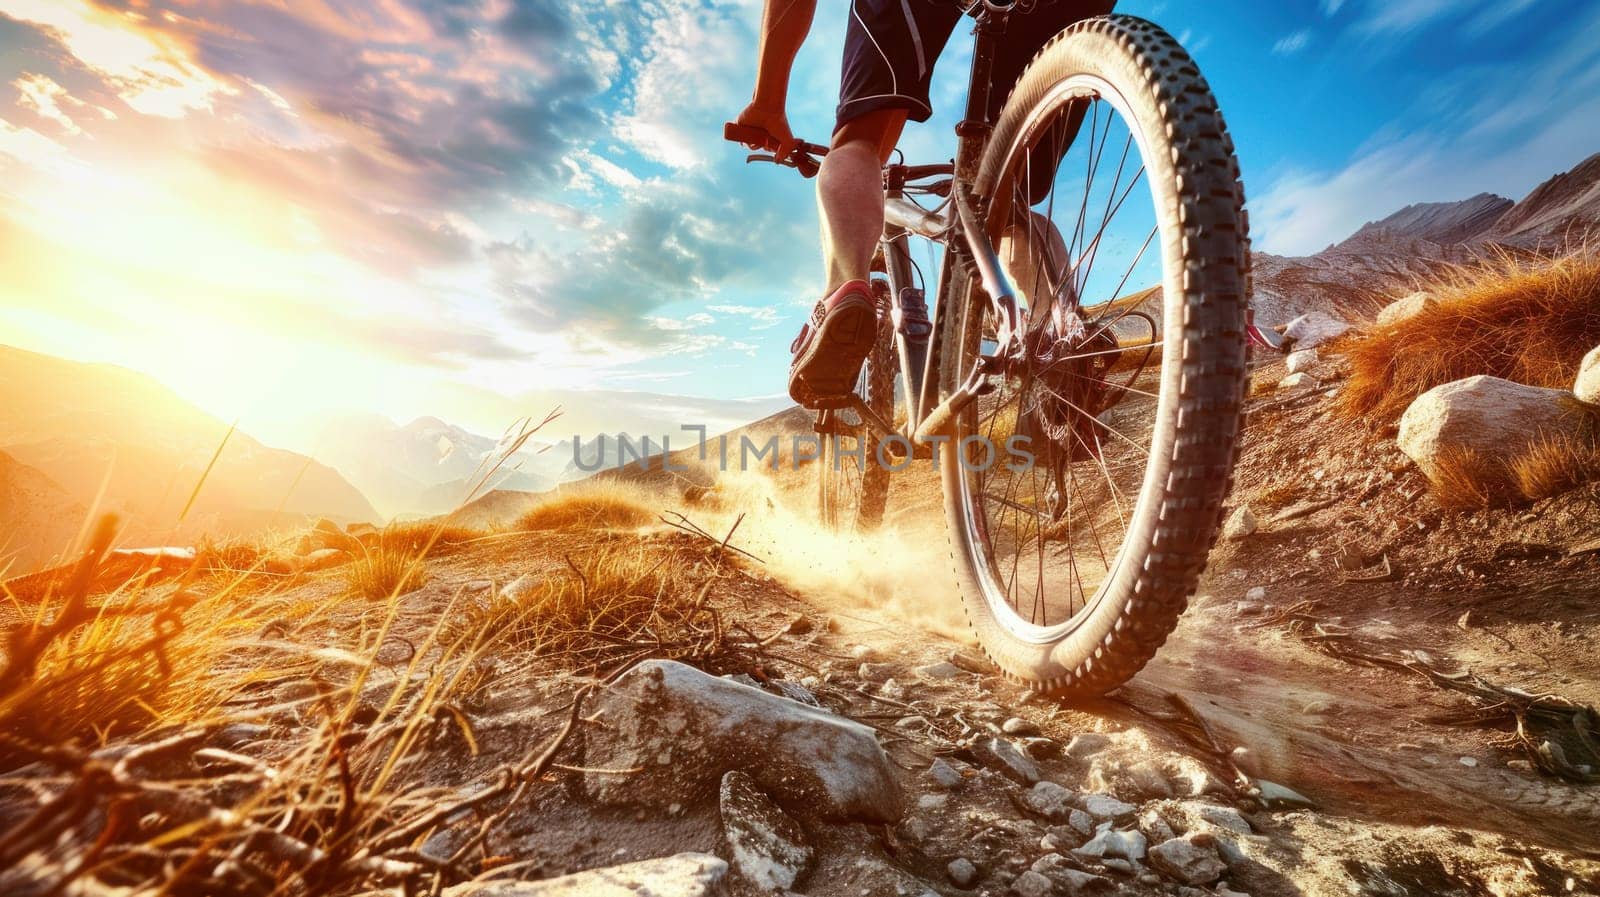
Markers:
<point>901,570</point>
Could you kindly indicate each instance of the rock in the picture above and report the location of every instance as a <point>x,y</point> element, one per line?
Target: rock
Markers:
<point>1302,361</point>
<point>939,671</point>
<point>1003,756</point>
<point>1142,779</point>
<point>800,625</point>
<point>1066,879</point>
<point>972,663</point>
<point>1274,794</point>
<point>794,691</point>
<point>875,672</point>
<point>1016,725</point>
<point>1105,807</point>
<point>1081,822</point>
<point>863,653</point>
<point>682,875</point>
<point>1587,386</point>
<point>1155,827</point>
<point>1084,744</point>
<point>1241,523</point>
<point>1494,418</point>
<point>1312,329</point>
<point>1108,843</point>
<point>1256,593</point>
<point>1193,815</point>
<point>769,849</point>
<point>1041,748</point>
<point>1401,309</point>
<point>892,690</point>
<point>1295,380</point>
<point>686,729</point>
<point>1033,884</point>
<point>961,872</point>
<point>945,775</point>
<point>1186,861</point>
<point>1049,800</point>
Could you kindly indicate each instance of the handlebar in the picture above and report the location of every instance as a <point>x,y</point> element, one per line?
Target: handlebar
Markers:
<point>799,155</point>
<point>807,157</point>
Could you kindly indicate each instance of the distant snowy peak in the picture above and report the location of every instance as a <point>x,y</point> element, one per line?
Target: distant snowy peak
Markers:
<point>1443,223</point>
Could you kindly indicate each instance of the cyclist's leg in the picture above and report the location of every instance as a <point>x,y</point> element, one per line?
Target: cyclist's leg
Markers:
<point>850,193</point>
<point>1033,251</point>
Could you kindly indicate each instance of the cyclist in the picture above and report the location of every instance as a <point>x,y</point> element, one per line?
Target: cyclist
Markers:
<point>889,51</point>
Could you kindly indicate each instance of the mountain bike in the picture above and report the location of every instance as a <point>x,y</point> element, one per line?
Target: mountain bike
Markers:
<point>1107,336</point>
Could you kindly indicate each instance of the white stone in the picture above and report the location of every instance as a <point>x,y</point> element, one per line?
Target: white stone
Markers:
<point>1109,843</point>
<point>682,875</point>
<point>686,729</point>
<point>1104,806</point>
<point>1256,593</point>
<point>1186,861</point>
<point>769,849</point>
<point>1403,308</point>
<point>1312,329</point>
<point>962,873</point>
<point>1049,800</point>
<point>1004,757</point>
<point>1587,386</point>
<point>1494,418</point>
<point>1032,884</point>
<point>1295,380</point>
<point>1302,360</point>
<point>1086,743</point>
<point>1241,523</point>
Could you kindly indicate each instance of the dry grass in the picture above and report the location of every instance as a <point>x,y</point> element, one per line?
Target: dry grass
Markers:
<point>1554,464</point>
<point>589,506</point>
<point>426,539</point>
<point>1465,480</point>
<point>616,595</point>
<point>1526,320</point>
<point>1279,494</point>
<point>385,571</point>
<point>1548,466</point>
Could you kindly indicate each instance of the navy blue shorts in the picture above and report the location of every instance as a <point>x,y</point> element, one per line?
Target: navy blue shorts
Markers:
<point>890,47</point>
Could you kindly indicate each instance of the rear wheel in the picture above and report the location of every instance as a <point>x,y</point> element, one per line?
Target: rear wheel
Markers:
<point>853,486</point>
<point>1075,566</point>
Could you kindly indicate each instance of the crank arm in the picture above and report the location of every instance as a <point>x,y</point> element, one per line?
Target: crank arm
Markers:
<point>941,421</point>
<point>871,418</point>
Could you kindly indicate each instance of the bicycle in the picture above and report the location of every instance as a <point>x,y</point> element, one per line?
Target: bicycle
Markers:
<point>1073,568</point>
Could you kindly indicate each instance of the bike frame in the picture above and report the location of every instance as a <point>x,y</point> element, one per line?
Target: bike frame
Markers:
<point>960,228</point>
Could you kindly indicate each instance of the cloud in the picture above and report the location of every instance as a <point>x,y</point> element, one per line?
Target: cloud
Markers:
<point>1332,7</point>
<point>1491,139</point>
<point>1292,43</point>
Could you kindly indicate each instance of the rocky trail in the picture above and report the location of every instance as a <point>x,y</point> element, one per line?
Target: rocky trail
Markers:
<point>1369,695</point>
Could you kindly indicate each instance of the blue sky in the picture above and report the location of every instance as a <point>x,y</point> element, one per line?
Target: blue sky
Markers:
<point>462,208</point>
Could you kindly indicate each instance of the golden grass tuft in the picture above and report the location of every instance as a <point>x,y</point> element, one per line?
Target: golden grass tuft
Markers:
<point>1552,465</point>
<point>426,539</point>
<point>1529,320</point>
<point>589,506</point>
<point>1279,494</point>
<point>385,571</point>
<point>604,599</point>
<point>1464,480</point>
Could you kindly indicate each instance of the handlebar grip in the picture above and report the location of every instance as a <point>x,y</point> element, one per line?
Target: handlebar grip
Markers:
<point>749,135</point>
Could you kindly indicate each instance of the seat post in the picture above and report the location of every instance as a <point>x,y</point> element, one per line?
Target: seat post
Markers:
<point>974,128</point>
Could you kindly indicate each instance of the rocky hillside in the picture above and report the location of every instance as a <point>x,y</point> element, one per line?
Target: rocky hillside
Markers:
<point>41,518</point>
<point>1388,258</point>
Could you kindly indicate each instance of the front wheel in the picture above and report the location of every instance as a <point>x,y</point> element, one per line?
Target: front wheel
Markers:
<point>1112,194</point>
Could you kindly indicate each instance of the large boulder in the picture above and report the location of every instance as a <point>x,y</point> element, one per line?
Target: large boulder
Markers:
<point>1401,309</point>
<point>1312,329</point>
<point>1587,387</point>
<point>1493,418</point>
<point>665,733</point>
<point>682,875</point>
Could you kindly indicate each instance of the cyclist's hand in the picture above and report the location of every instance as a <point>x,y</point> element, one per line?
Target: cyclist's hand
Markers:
<point>775,123</point>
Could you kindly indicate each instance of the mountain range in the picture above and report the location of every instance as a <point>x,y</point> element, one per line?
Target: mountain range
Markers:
<point>1386,258</point>
<point>116,440</point>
